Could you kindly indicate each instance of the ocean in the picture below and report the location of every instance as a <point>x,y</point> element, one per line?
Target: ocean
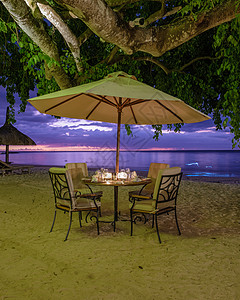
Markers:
<point>223,163</point>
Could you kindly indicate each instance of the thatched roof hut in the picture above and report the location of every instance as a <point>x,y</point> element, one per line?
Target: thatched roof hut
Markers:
<point>9,135</point>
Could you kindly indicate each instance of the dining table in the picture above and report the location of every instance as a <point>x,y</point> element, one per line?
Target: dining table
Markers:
<point>116,184</point>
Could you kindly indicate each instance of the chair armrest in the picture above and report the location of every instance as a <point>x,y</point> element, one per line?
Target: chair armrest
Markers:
<point>97,194</point>
<point>134,198</point>
<point>140,197</point>
<point>88,195</point>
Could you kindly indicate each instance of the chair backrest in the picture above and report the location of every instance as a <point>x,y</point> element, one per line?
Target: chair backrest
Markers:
<point>167,185</point>
<point>153,171</point>
<point>77,172</point>
<point>62,187</point>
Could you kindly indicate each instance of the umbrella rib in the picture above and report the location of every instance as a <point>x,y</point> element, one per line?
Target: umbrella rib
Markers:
<point>102,99</point>
<point>126,101</point>
<point>62,102</point>
<point>133,114</point>
<point>144,100</point>
<point>107,101</point>
<point>169,110</point>
<point>116,100</point>
<point>93,110</point>
<point>137,102</point>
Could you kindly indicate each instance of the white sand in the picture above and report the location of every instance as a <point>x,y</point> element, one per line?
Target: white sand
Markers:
<point>202,263</point>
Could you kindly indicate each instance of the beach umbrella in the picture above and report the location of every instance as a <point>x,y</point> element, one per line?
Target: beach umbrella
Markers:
<point>9,135</point>
<point>118,98</point>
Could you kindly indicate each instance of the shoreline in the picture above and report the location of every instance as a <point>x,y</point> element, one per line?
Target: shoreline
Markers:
<point>215,179</point>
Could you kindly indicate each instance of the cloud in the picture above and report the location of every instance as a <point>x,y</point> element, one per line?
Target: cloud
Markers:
<point>92,128</point>
<point>205,131</point>
<point>74,124</point>
<point>167,131</point>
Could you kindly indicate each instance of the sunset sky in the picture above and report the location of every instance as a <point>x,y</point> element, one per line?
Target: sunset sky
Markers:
<point>50,133</point>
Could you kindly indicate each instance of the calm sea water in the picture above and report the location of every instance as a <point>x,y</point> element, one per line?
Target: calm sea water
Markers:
<point>193,163</point>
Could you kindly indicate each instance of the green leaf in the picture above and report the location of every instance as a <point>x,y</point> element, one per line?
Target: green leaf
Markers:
<point>3,26</point>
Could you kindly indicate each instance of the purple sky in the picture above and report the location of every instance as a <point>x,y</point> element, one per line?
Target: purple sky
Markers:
<point>50,133</point>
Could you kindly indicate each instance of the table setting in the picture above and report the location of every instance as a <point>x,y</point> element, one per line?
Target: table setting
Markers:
<point>123,178</point>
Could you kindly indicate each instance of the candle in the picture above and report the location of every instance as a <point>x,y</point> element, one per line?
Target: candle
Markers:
<point>122,175</point>
<point>107,175</point>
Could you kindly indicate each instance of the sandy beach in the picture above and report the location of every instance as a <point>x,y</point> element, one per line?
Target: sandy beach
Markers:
<point>202,263</point>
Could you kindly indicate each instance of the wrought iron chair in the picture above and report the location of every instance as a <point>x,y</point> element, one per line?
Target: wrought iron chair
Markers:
<point>148,189</point>
<point>164,199</point>
<point>77,172</point>
<point>67,200</point>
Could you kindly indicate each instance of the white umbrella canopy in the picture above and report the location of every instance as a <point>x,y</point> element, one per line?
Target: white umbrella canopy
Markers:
<point>118,98</point>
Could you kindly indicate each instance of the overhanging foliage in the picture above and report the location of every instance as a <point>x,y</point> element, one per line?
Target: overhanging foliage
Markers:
<point>189,49</point>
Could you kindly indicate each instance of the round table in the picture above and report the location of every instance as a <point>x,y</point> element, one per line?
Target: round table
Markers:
<point>116,184</point>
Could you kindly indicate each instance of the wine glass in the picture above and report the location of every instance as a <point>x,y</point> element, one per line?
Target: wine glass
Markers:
<point>128,173</point>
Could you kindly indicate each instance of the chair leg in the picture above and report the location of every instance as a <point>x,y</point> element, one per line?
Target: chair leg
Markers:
<point>157,228</point>
<point>131,219</point>
<point>80,218</point>
<point>69,227</point>
<point>97,223</point>
<point>99,207</point>
<point>153,221</point>
<point>53,220</point>
<point>100,212</point>
<point>114,225</point>
<point>177,222</point>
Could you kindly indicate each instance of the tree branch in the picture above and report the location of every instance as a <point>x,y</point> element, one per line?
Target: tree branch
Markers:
<point>34,28</point>
<point>193,61</point>
<point>114,3</point>
<point>172,12</point>
<point>154,61</point>
<point>171,36</point>
<point>112,54</point>
<point>34,8</point>
<point>108,25</point>
<point>84,36</point>
<point>168,71</point>
<point>154,17</point>
<point>65,31</point>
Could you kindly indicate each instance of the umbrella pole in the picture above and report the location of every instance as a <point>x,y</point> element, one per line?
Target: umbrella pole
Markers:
<point>118,140</point>
<point>117,167</point>
<point>7,154</point>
